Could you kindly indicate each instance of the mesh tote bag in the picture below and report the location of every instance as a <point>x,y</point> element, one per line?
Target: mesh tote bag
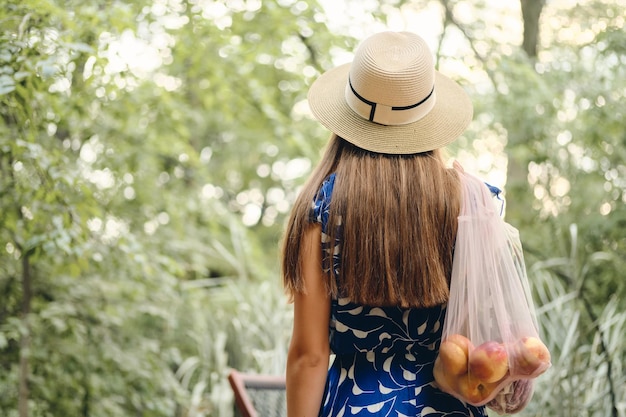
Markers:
<point>490,350</point>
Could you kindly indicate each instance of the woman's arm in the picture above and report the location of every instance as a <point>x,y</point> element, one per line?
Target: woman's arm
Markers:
<point>307,360</point>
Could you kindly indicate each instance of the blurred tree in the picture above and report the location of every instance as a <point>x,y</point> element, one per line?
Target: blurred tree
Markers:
<point>558,113</point>
<point>136,140</point>
<point>531,12</point>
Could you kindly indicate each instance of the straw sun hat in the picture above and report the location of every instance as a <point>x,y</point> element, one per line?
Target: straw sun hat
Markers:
<point>391,99</point>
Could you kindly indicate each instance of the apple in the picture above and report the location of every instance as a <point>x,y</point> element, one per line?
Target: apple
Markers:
<point>530,355</point>
<point>489,362</point>
<point>453,357</point>
<point>475,391</point>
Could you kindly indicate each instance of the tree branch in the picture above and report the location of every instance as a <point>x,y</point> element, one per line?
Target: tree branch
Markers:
<point>312,52</point>
<point>449,18</point>
<point>531,12</point>
<point>25,340</point>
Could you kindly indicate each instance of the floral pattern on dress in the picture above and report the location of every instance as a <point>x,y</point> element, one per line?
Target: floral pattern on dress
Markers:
<point>383,356</point>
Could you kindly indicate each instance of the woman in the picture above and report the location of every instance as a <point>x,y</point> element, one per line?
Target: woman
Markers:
<point>367,253</point>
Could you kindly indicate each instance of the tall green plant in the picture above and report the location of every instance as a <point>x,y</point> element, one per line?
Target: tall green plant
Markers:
<point>588,348</point>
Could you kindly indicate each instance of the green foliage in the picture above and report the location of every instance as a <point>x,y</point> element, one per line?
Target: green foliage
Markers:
<point>246,327</point>
<point>586,340</point>
<point>123,184</point>
<point>569,134</point>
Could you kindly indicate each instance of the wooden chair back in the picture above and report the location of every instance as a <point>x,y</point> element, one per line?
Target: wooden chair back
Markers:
<point>258,395</point>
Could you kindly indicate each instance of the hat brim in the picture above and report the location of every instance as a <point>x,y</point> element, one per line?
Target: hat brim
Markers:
<point>447,120</point>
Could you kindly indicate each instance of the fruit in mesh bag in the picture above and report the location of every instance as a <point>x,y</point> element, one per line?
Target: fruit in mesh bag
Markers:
<point>474,390</point>
<point>489,362</point>
<point>453,353</point>
<point>465,387</point>
<point>446,381</point>
<point>530,355</point>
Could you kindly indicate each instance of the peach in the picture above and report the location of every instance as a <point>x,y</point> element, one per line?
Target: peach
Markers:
<point>462,341</point>
<point>453,357</point>
<point>489,362</point>
<point>537,348</point>
<point>475,391</point>
<point>530,355</point>
<point>446,381</point>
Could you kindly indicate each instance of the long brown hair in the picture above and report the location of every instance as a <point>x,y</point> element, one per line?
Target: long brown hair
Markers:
<point>398,216</point>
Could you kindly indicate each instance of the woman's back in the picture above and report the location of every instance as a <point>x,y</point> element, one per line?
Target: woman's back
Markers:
<point>384,355</point>
<point>383,363</point>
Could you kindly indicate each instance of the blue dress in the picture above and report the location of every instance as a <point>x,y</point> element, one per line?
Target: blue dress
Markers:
<point>383,356</point>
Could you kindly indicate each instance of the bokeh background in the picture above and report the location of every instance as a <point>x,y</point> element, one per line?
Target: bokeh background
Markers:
<point>150,151</point>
